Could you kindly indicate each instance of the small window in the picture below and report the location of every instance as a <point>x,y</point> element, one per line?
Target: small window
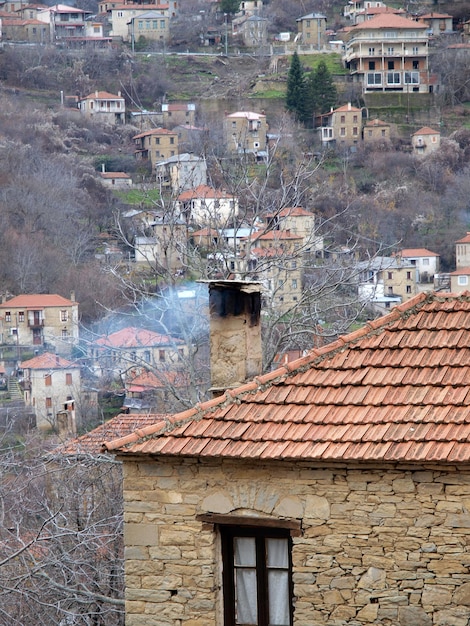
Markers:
<point>257,576</point>
<point>462,280</point>
<point>48,380</point>
<point>408,275</point>
<point>68,379</point>
<point>8,316</point>
<point>355,131</point>
<point>63,316</point>
<point>64,334</point>
<point>408,289</point>
<point>390,275</point>
<point>21,316</point>
<point>161,356</point>
<point>342,132</point>
<point>48,403</point>
<point>343,119</point>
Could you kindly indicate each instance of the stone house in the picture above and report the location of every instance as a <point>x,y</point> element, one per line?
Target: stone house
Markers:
<point>333,490</point>
<point>389,53</point>
<point>311,29</point>
<point>246,133</point>
<point>164,246</point>
<point>376,131</point>
<point>341,127</point>
<point>116,180</point>
<point>104,106</point>
<point>298,221</point>
<point>132,350</point>
<point>176,113</point>
<point>425,262</point>
<point>52,387</point>
<point>30,30</point>
<point>156,145</point>
<point>181,172</point>
<point>205,205</point>
<point>425,140</point>
<point>35,320</point>
<point>438,23</point>
<point>462,252</point>
<point>459,280</point>
<point>251,31</point>
<point>385,282</point>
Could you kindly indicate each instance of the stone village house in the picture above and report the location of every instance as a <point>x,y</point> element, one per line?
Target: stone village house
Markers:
<point>334,490</point>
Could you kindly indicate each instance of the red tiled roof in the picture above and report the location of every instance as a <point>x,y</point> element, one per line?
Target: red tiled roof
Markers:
<point>465,239</point>
<point>47,361</point>
<point>426,131</point>
<point>388,20</point>
<point>148,381</point>
<point>293,211</point>
<point>398,389</point>
<point>204,191</point>
<point>461,271</point>
<point>114,175</point>
<point>155,131</point>
<point>414,252</point>
<point>103,95</point>
<point>273,235</point>
<point>131,337</point>
<point>36,301</point>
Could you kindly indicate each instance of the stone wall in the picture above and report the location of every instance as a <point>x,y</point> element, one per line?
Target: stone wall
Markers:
<point>380,546</point>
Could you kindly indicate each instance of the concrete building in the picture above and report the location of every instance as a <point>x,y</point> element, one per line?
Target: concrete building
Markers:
<point>389,53</point>
<point>311,29</point>
<point>46,320</point>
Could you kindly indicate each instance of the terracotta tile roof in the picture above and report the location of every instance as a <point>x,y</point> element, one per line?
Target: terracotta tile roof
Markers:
<point>131,337</point>
<point>389,20</point>
<point>376,122</point>
<point>249,115</point>
<point>91,443</point>
<point>414,252</point>
<point>293,211</point>
<point>465,239</point>
<point>461,271</point>
<point>47,361</point>
<point>148,381</point>
<point>155,131</point>
<point>435,16</point>
<point>114,175</point>
<point>396,390</point>
<point>426,131</point>
<point>103,95</point>
<point>204,191</point>
<point>273,235</point>
<point>36,301</point>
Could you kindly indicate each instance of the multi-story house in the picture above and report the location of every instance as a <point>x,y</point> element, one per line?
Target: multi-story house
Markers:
<point>105,106</point>
<point>246,133</point>
<point>174,114</point>
<point>52,387</point>
<point>311,29</point>
<point>462,252</point>
<point>251,31</point>
<point>149,25</point>
<point>425,140</point>
<point>204,205</point>
<point>131,350</point>
<point>46,320</point>
<point>369,12</point>
<point>64,21</point>
<point>356,6</point>
<point>181,172</point>
<point>163,245</point>
<point>123,14</point>
<point>389,53</point>
<point>438,23</point>
<point>386,281</point>
<point>298,221</point>
<point>30,30</point>
<point>340,127</point>
<point>459,280</point>
<point>156,145</point>
<point>425,262</point>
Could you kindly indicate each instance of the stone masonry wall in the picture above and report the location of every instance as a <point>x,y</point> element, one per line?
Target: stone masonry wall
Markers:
<point>382,546</point>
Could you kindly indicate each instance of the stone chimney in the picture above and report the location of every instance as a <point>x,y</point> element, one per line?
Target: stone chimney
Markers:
<point>235,333</point>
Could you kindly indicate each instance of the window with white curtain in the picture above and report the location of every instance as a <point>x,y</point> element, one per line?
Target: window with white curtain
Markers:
<point>256,576</point>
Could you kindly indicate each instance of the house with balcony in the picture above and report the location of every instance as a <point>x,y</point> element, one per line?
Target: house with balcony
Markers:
<point>370,12</point>
<point>384,282</point>
<point>341,127</point>
<point>356,6</point>
<point>156,145</point>
<point>64,21</point>
<point>425,262</point>
<point>104,106</point>
<point>389,53</point>
<point>40,320</point>
<point>246,134</point>
<point>311,30</point>
<point>425,140</point>
<point>52,387</point>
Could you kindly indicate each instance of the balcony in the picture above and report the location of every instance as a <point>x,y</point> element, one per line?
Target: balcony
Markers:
<point>35,322</point>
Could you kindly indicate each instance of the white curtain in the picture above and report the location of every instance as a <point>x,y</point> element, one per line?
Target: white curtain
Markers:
<point>246,602</point>
<point>277,561</point>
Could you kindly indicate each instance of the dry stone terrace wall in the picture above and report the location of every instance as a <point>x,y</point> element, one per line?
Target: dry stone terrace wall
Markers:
<point>381,546</point>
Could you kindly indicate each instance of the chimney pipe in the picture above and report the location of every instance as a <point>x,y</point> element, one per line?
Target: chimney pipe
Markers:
<point>235,333</point>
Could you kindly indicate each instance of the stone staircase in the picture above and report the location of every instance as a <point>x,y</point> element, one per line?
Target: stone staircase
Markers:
<point>14,389</point>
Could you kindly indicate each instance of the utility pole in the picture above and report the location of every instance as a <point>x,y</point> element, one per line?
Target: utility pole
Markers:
<point>226,34</point>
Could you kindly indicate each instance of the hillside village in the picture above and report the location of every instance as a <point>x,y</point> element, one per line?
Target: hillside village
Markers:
<point>188,220</point>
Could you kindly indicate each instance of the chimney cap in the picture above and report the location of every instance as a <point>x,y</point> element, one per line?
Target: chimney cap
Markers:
<point>247,286</point>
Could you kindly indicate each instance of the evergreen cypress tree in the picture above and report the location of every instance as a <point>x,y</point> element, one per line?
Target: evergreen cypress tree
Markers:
<point>295,96</point>
<point>322,90</point>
